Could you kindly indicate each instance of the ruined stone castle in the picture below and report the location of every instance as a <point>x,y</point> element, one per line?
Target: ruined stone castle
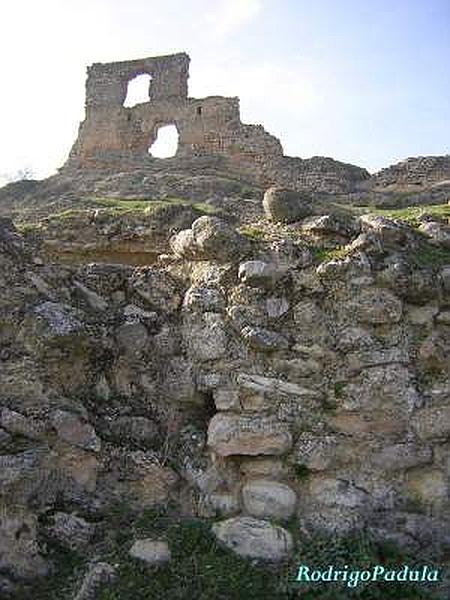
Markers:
<point>114,135</point>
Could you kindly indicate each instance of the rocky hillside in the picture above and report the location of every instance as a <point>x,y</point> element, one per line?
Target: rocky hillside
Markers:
<point>195,396</point>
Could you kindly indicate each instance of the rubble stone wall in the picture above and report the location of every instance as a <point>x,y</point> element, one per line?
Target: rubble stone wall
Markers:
<point>280,387</point>
<point>415,173</point>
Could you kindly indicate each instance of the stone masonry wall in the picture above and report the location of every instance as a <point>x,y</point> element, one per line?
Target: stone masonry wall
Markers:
<point>415,173</point>
<point>250,382</point>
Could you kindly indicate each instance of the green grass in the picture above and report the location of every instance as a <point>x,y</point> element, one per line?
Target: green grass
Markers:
<point>253,233</point>
<point>66,215</point>
<point>25,228</point>
<point>428,255</point>
<point>301,472</point>
<point>123,205</point>
<point>323,254</point>
<point>339,388</point>
<point>116,207</point>
<point>120,204</point>
<point>202,569</point>
<point>199,568</point>
<point>411,214</point>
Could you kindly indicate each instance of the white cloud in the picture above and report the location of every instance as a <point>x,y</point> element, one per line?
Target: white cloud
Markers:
<point>230,15</point>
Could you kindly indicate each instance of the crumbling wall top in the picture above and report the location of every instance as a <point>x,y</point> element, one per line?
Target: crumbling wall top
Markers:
<point>107,83</point>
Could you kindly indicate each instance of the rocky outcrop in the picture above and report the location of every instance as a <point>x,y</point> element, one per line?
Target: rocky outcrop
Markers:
<point>415,172</point>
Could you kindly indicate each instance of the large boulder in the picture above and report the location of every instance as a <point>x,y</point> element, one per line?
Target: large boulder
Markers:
<point>283,205</point>
<point>209,238</point>
<point>253,538</point>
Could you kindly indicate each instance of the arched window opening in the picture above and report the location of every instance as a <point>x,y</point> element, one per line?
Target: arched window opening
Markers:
<point>138,90</point>
<point>166,143</point>
<point>199,111</point>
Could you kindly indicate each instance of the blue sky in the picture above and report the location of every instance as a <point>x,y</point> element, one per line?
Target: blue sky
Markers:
<point>366,82</point>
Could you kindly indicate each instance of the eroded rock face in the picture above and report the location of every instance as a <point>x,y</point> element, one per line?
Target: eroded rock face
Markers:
<point>331,226</point>
<point>205,336</point>
<point>254,538</point>
<point>439,233</point>
<point>264,339</point>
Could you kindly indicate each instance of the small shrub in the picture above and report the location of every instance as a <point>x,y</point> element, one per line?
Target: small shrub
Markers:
<point>302,472</point>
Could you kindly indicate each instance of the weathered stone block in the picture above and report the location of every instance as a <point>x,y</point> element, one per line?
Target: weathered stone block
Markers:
<point>204,336</point>
<point>264,499</point>
<point>430,487</point>
<point>432,422</point>
<point>203,298</point>
<point>264,340</point>
<point>219,504</point>
<point>285,205</point>
<point>252,435</point>
<point>71,531</point>
<point>74,431</point>
<point>257,273</point>
<point>376,306</point>
<point>19,550</point>
<point>152,552</point>
<point>253,538</point>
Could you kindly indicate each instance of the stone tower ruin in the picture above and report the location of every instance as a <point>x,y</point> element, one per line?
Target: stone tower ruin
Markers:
<point>119,137</point>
